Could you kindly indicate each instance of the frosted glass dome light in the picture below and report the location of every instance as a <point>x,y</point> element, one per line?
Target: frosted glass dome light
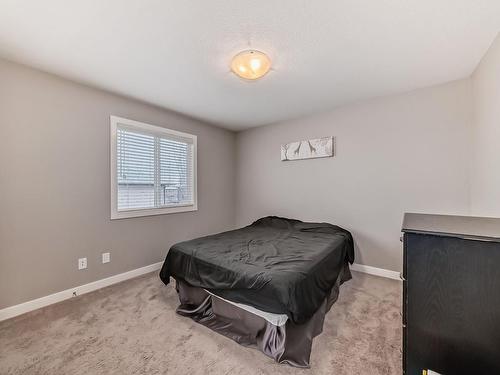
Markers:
<point>250,64</point>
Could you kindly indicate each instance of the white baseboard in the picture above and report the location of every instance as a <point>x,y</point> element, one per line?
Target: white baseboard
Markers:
<point>12,311</point>
<point>376,271</point>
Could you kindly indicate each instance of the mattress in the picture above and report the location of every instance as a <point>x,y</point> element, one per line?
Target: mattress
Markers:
<point>277,265</point>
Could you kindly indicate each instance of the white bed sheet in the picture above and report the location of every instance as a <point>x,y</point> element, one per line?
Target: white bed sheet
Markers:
<point>275,319</point>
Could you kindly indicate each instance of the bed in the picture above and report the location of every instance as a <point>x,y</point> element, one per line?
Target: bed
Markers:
<point>268,285</point>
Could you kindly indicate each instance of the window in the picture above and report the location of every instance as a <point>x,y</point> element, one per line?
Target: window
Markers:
<point>153,170</point>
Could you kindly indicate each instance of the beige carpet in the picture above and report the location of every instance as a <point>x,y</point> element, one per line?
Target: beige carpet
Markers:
<point>132,328</point>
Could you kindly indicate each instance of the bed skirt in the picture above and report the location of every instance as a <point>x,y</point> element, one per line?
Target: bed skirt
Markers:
<point>289,343</point>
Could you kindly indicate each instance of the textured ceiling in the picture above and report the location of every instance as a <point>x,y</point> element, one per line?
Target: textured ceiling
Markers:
<point>176,54</point>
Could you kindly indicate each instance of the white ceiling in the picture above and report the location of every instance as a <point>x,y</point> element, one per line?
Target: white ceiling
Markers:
<point>176,54</point>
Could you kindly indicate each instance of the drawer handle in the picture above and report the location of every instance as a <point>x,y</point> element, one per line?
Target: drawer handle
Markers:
<point>401,276</point>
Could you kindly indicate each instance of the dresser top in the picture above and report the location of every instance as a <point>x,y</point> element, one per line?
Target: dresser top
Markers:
<point>462,226</point>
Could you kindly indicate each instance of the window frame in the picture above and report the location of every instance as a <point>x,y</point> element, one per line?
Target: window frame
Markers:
<point>154,130</point>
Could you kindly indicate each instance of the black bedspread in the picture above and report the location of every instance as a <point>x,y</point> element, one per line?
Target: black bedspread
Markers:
<point>277,265</point>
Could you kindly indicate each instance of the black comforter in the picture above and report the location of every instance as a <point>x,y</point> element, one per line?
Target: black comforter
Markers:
<point>277,265</point>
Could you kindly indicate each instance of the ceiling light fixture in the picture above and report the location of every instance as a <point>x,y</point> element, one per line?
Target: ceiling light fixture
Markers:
<point>250,64</point>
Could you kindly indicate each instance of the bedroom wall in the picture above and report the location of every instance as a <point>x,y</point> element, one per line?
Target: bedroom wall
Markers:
<point>485,176</point>
<point>55,186</point>
<point>405,153</point>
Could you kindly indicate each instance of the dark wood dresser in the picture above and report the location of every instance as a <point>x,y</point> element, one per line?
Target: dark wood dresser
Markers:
<point>451,294</point>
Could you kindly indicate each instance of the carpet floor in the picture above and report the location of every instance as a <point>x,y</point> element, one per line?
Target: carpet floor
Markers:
<point>132,328</point>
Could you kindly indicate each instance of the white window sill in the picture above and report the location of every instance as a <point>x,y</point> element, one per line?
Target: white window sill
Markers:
<point>125,214</point>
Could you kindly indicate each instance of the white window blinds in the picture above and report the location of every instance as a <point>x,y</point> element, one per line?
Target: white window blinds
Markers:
<point>155,168</point>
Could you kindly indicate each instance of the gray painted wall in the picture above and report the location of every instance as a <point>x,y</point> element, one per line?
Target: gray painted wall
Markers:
<point>485,189</point>
<point>403,153</point>
<point>410,152</point>
<point>55,186</point>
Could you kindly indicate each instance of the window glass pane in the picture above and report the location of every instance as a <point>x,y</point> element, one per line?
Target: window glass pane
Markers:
<point>135,170</point>
<point>175,172</point>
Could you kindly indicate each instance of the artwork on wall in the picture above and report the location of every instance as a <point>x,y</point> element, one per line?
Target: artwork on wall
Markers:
<point>312,148</point>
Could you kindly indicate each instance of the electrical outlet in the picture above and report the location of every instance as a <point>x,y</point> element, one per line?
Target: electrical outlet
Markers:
<point>82,263</point>
<point>106,257</point>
